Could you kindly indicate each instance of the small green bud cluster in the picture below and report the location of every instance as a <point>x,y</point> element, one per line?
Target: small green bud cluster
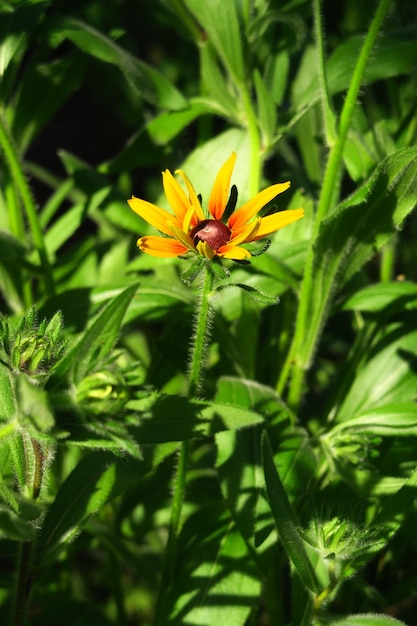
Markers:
<point>101,392</point>
<point>355,449</point>
<point>30,347</point>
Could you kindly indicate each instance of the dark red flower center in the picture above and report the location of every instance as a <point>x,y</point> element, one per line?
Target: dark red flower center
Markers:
<point>213,232</point>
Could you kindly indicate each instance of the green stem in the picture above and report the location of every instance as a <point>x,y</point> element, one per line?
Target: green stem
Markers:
<point>25,560</point>
<point>255,164</point>
<point>22,186</point>
<point>23,585</point>
<point>328,113</point>
<point>307,334</point>
<point>197,356</point>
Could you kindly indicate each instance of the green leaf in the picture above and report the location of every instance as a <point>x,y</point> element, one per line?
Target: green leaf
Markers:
<point>11,248</point>
<point>241,479</point>
<point>286,521</point>
<point>396,509</point>
<point>214,82</point>
<point>388,420</point>
<point>267,115</point>
<point>366,619</point>
<point>163,128</point>
<point>33,403</point>
<point>96,343</point>
<point>388,377</point>
<point>394,55</point>
<point>147,82</point>
<point>355,230</point>
<point>98,478</point>
<point>164,418</point>
<point>42,92</point>
<point>256,294</point>
<point>216,582</point>
<point>368,219</point>
<point>203,163</point>
<point>219,19</point>
<point>397,296</point>
<point>14,528</point>
<point>102,334</point>
<point>66,225</point>
<point>7,397</point>
<point>249,394</point>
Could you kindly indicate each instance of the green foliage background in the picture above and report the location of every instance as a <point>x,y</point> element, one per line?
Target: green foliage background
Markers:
<point>301,483</point>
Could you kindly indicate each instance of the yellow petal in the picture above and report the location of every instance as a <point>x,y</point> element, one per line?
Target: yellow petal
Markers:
<point>248,233</point>
<point>251,208</point>
<point>229,251</point>
<point>205,250</point>
<point>274,222</point>
<point>181,236</point>
<point>175,195</point>
<point>153,214</point>
<point>193,200</point>
<point>220,192</point>
<point>190,220</point>
<point>160,246</point>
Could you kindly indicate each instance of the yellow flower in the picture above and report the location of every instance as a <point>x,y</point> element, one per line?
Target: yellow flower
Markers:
<point>187,229</point>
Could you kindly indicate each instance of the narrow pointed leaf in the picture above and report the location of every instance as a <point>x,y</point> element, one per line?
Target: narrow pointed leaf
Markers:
<point>285,520</point>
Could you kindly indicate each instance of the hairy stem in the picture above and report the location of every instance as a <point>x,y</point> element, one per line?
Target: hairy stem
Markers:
<point>197,357</point>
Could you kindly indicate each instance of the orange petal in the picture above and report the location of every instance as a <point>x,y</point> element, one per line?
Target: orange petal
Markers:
<point>159,246</point>
<point>251,208</point>
<point>229,251</point>
<point>175,195</point>
<point>153,214</point>
<point>193,200</point>
<point>220,192</point>
<point>274,222</point>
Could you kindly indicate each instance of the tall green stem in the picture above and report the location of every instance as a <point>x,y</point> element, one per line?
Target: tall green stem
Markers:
<point>307,333</point>
<point>255,164</point>
<point>329,119</point>
<point>197,356</point>
<point>22,187</point>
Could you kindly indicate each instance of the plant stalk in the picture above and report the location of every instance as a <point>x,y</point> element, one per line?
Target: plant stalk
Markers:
<point>307,329</point>
<point>197,356</point>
